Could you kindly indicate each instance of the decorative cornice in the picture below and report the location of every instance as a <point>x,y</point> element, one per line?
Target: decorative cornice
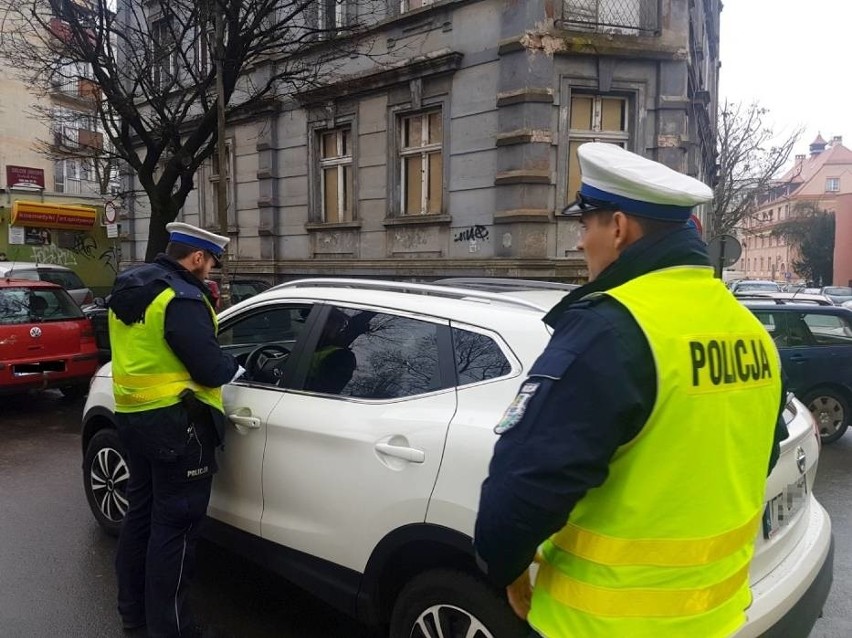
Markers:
<point>527,94</point>
<point>529,215</point>
<point>523,176</point>
<point>525,136</point>
<point>437,63</point>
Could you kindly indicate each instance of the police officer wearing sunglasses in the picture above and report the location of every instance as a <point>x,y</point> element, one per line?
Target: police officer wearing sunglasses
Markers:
<point>631,466</point>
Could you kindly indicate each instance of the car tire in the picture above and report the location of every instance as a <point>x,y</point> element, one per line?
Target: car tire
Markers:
<point>464,605</point>
<point>105,476</point>
<point>830,409</point>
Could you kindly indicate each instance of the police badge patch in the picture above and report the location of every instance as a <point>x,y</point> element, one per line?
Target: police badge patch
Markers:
<point>515,412</point>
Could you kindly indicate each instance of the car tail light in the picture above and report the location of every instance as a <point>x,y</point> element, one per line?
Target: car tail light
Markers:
<point>89,298</point>
<point>87,332</point>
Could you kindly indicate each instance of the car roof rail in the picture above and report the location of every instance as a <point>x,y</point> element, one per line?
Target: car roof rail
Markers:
<point>402,286</point>
<point>496,283</point>
<point>782,301</point>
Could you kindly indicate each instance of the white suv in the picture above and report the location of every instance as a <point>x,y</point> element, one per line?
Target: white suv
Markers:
<point>360,481</point>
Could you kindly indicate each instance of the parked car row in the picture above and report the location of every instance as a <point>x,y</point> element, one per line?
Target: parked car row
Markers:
<point>59,275</point>
<point>408,434</point>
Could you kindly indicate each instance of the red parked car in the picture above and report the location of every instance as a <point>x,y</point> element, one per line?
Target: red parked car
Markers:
<point>45,339</point>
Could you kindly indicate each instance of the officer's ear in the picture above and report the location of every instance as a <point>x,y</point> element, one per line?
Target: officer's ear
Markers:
<point>626,230</point>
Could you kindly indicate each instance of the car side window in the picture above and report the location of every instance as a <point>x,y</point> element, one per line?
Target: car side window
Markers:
<point>262,340</point>
<point>828,330</point>
<point>372,355</point>
<point>478,357</point>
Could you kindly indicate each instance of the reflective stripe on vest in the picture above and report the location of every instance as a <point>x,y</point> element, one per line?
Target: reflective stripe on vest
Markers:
<point>663,546</point>
<point>146,372</point>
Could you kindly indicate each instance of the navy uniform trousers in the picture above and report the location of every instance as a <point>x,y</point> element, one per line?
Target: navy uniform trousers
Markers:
<point>171,463</point>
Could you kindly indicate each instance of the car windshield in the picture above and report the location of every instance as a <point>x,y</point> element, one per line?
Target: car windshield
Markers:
<point>839,291</point>
<point>29,305</point>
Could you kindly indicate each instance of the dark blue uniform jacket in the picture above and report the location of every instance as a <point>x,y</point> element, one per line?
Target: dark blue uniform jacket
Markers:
<point>188,330</point>
<point>597,386</point>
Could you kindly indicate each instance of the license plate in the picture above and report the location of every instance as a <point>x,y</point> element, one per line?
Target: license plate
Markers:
<point>782,509</point>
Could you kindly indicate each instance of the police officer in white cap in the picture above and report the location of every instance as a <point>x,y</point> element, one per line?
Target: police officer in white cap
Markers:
<point>631,465</point>
<point>168,370</point>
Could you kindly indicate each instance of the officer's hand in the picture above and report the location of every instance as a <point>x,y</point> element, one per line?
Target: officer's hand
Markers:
<point>520,595</point>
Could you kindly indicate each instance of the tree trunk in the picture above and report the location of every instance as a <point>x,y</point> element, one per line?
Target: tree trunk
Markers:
<point>158,237</point>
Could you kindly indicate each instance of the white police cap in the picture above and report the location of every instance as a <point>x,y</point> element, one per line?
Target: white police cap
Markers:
<point>198,238</point>
<point>615,179</point>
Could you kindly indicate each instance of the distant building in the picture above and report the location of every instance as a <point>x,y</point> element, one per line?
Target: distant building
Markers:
<point>823,178</point>
<point>51,207</point>
<point>453,153</point>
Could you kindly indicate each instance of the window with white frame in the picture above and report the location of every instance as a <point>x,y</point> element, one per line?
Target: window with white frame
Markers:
<point>336,177</point>
<point>421,163</point>
<point>832,185</point>
<point>411,5</point>
<point>331,14</point>
<point>594,118</point>
<point>165,52</point>
<point>209,180</point>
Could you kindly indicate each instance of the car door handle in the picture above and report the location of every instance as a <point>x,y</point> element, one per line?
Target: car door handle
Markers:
<point>798,358</point>
<point>245,421</point>
<point>407,453</point>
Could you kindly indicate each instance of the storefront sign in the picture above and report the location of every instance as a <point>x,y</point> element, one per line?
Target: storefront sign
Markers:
<point>46,215</point>
<point>16,236</point>
<point>24,176</point>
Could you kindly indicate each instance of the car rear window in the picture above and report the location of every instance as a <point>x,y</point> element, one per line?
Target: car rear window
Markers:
<point>30,305</point>
<point>67,279</point>
<point>478,357</point>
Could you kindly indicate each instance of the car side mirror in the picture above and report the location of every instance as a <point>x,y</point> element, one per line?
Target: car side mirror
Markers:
<point>100,302</point>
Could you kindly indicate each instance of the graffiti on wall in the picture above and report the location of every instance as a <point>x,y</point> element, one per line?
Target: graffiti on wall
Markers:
<point>54,255</point>
<point>109,257</point>
<point>84,245</point>
<point>472,233</point>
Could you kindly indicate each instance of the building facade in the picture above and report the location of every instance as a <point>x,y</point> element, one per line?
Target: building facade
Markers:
<point>451,149</point>
<point>822,180</point>
<point>51,206</point>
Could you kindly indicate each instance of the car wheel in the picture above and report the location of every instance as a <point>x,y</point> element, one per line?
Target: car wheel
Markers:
<point>830,409</point>
<point>105,476</point>
<point>453,604</point>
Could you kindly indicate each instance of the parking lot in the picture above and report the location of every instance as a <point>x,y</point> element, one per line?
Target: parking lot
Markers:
<point>56,565</point>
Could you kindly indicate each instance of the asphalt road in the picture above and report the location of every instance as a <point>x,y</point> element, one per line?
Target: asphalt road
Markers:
<point>56,574</point>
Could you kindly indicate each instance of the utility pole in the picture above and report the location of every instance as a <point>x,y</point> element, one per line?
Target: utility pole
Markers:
<point>221,151</point>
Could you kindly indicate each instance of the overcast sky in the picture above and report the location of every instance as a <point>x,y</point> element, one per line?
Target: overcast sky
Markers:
<point>793,58</point>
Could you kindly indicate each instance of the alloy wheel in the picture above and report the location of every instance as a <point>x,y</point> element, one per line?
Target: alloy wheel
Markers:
<point>448,621</point>
<point>109,475</point>
<point>828,413</point>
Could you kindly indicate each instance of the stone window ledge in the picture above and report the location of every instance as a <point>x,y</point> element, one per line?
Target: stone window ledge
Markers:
<point>410,220</point>
<point>315,226</point>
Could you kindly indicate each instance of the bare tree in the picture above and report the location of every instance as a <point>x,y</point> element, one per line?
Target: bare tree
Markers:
<point>749,160</point>
<point>153,80</point>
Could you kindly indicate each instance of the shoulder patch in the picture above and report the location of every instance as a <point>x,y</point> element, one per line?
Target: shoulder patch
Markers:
<point>183,289</point>
<point>515,412</point>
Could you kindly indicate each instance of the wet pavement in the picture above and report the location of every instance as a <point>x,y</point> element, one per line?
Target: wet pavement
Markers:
<point>56,574</point>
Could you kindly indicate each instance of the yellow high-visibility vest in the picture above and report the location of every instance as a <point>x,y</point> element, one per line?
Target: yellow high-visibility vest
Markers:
<point>146,373</point>
<point>662,548</point>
